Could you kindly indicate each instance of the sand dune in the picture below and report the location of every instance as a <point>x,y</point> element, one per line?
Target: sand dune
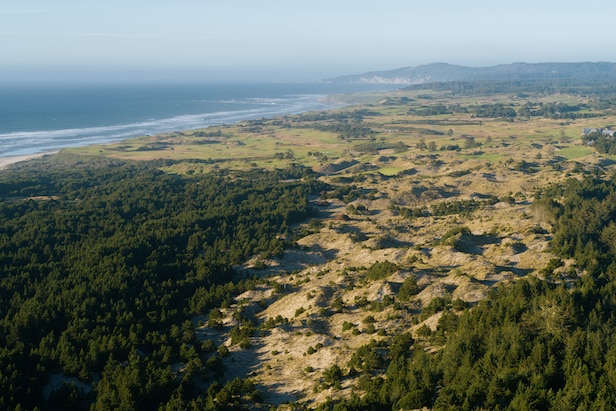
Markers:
<point>5,161</point>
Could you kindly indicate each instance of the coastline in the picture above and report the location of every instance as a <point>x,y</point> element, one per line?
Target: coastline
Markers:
<point>136,111</point>
<point>6,161</point>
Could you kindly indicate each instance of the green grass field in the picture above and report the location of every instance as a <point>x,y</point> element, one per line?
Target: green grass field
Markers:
<point>274,143</point>
<point>390,171</point>
<point>574,152</point>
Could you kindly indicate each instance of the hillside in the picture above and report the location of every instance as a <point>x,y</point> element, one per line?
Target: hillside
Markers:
<point>443,72</point>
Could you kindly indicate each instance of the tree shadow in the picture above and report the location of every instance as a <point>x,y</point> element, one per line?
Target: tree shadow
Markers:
<point>521,272</point>
<point>292,260</point>
<point>469,243</point>
<point>355,233</point>
<point>274,394</point>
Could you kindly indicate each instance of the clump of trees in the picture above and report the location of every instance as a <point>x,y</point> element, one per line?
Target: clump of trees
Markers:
<point>445,208</point>
<point>381,269</point>
<point>603,143</point>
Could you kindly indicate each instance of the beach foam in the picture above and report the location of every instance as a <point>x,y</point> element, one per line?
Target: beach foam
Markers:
<point>25,143</point>
<point>37,120</point>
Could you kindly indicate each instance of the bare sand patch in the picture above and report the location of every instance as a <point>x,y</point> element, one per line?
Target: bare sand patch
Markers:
<point>6,161</point>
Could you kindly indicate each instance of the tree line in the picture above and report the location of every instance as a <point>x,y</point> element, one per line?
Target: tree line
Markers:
<point>587,87</point>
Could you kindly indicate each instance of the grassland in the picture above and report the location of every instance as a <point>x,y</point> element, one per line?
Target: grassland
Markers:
<point>311,139</point>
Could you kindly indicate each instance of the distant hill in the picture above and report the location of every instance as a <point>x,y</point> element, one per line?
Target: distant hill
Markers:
<point>443,72</point>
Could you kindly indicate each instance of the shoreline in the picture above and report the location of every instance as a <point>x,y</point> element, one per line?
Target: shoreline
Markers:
<point>224,105</point>
<point>7,161</point>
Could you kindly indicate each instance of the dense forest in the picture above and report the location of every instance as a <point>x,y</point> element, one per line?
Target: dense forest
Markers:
<point>510,111</point>
<point>105,265</point>
<point>593,86</point>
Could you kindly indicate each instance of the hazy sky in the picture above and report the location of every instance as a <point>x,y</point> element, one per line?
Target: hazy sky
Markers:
<point>209,40</point>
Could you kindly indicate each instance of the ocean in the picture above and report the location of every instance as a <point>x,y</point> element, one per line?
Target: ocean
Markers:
<point>43,119</point>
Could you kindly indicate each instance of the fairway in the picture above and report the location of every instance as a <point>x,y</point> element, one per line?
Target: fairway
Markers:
<point>404,128</point>
<point>575,152</point>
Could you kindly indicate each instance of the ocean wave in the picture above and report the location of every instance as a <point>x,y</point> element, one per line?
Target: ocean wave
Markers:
<point>33,142</point>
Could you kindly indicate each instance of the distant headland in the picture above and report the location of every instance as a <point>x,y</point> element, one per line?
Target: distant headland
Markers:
<point>443,72</point>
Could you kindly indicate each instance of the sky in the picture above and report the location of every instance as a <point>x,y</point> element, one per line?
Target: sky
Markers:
<point>288,40</point>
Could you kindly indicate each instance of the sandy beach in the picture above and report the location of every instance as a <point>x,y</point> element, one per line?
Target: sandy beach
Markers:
<point>5,161</point>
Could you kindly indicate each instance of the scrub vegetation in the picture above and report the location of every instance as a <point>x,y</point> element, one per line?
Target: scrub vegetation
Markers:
<point>444,247</point>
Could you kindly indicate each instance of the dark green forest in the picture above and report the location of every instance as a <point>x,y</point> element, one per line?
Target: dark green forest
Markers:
<point>603,88</point>
<point>104,265</point>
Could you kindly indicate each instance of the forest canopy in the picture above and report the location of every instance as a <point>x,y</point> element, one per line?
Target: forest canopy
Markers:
<point>103,267</point>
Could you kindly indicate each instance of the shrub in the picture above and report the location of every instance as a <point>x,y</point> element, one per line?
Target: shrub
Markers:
<point>369,320</point>
<point>347,326</point>
<point>380,270</point>
<point>332,376</point>
<point>409,288</point>
<point>424,331</point>
<point>437,304</point>
<point>458,304</point>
